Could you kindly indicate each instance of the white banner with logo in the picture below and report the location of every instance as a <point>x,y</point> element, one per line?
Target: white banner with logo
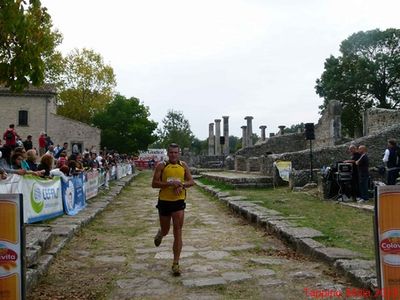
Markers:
<point>42,198</point>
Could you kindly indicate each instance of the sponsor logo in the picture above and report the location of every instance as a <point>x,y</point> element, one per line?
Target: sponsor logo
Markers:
<point>40,194</point>
<point>8,258</point>
<point>390,245</point>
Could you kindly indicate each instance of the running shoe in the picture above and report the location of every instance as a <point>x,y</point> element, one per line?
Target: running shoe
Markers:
<point>176,271</point>
<point>158,238</point>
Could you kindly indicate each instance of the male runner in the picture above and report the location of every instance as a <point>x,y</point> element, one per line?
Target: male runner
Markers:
<point>172,178</point>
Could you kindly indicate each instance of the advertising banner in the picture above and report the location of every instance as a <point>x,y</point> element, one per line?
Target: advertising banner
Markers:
<point>284,169</point>
<point>42,198</point>
<point>12,247</point>
<point>119,171</point>
<point>73,194</point>
<point>387,228</point>
<point>92,184</point>
<point>102,177</point>
<point>10,185</point>
<point>113,172</point>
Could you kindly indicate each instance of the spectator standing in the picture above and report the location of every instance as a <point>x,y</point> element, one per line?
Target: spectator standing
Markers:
<point>63,148</point>
<point>94,164</point>
<point>391,159</point>
<point>50,150</point>
<point>42,144</point>
<point>99,158</point>
<point>49,142</point>
<point>75,149</point>
<point>363,173</point>
<point>28,143</point>
<point>10,136</point>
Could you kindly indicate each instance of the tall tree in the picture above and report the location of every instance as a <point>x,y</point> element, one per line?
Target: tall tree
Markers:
<point>125,125</point>
<point>367,74</point>
<point>86,85</point>
<point>27,41</point>
<point>176,129</point>
<point>294,128</point>
<point>199,147</point>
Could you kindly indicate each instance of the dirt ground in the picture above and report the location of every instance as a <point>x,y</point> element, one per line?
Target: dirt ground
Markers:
<point>223,257</point>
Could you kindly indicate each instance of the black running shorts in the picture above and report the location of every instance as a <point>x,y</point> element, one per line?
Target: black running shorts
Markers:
<point>166,208</point>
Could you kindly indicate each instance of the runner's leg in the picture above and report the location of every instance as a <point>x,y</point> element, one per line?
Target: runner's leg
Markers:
<point>177,219</point>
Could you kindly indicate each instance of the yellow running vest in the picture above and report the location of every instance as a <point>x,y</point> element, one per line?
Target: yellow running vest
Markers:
<point>172,172</point>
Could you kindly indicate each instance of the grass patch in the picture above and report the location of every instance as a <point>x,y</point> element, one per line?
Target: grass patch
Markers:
<point>223,186</point>
<point>343,226</point>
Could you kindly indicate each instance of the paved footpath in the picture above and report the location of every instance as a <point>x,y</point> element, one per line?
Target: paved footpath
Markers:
<point>223,257</point>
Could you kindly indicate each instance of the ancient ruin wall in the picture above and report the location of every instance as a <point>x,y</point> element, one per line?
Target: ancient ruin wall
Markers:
<point>375,143</point>
<point>277,144</point>
<point>328,130</point>
<point>378,119</point>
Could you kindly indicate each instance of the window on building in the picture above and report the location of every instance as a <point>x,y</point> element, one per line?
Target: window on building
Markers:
<point>23,118</point>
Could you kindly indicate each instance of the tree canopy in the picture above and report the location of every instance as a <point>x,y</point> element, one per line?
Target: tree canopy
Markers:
<point>125,125</point>
<point>367,74</point>
<point>86,85</point>
<point>27,41</point>
<point>176,129</point>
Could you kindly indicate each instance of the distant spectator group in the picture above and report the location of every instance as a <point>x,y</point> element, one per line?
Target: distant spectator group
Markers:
<point>20,157</point>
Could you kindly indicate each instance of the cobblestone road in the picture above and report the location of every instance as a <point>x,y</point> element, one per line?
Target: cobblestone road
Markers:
<point>223,257</point>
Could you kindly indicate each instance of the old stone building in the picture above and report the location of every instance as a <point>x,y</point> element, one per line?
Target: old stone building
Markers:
<point>34,111</point>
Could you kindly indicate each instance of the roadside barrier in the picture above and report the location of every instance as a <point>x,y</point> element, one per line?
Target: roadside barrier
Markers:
<point>45,199</point>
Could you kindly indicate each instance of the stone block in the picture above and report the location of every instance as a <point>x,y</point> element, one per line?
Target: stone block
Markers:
<point>236,276</point>
<point>32,278</point>
<point>307,246</point>
<point>330,255</point>
<point>202,282</point>
<point>291,234</point>
<point>32,254</point>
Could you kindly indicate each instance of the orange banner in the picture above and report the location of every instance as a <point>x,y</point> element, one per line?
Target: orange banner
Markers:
<point>388,240</point>
<point>11,261</point>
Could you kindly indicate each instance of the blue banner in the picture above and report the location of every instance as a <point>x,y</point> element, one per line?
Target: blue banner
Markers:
<point>73,194</point>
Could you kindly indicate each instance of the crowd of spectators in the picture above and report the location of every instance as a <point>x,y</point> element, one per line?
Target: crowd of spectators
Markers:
<point>20,157</point>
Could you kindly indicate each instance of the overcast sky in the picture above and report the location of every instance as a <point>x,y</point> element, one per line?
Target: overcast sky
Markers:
<point>214,58</point>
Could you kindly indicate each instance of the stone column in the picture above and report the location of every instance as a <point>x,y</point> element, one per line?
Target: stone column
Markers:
<point>281,128</point>
<point>249,132</point>
<point>244,136</point>
<point>217,136</point>
<point>263,127</point>
<point>211,141</point>
<point>226,136</point>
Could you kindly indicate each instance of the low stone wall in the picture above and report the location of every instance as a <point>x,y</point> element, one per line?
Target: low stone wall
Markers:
<point>202,161</point>
<point>253,164</point>
<point>240,163</point>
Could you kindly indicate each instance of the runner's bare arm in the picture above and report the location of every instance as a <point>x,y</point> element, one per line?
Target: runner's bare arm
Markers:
<point>188,176</point>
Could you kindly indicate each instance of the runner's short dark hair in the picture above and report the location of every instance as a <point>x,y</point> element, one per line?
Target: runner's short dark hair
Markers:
<point>173,145</point>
